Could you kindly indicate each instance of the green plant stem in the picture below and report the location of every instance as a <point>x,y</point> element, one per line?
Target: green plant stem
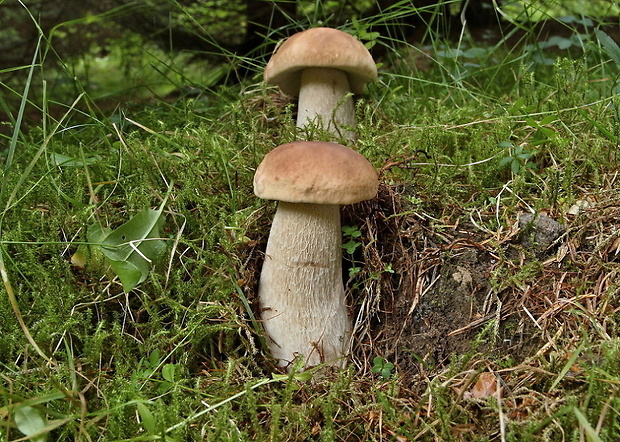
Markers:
<point>13,301</point>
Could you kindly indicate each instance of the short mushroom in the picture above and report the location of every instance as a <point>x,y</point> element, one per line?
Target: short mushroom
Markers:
<point>322,66</point>
<point>301,290</point>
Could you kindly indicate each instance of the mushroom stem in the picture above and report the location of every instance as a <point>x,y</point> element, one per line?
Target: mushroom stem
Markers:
<point>301,290</point>
<point>325,98</point>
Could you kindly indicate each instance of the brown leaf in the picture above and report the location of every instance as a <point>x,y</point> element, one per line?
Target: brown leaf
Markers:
<point>316,429</point>
<point>485,386</point>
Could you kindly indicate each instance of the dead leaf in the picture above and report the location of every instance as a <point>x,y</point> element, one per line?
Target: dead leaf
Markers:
<point>316,429</point>
<point>485,386</point>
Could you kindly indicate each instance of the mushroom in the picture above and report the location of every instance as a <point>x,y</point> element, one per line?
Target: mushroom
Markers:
<point>301,291</point>
<point>322,66</point>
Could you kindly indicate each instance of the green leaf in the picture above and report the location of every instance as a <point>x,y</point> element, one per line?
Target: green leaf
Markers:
<point>66,161</point>
<point>351,231</point>
<point>476,52</point>
<point>354,271</point>
<point>30,421</point>
<point>531,122</point>
<point>129,274</point>
<point>609,46</point>
<point>154,358</point>
<point>351,246</point>
<point>382,367</point>
<point>560,42</point>
<point>147,418</point>
<point>132,249</point>
<point>547,132</point>
<point>548,119</point>
<point>386,373</point>
<point>377,364</point>
<point>168,372</point>
<point>449,53</point>
<point>137,237</point>
<point>504,162</point>
<point>302,376</point>
<point>518,104</point>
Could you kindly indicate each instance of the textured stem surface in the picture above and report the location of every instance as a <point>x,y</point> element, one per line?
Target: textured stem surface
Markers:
<point>301,292</point>
<point>324,99</point>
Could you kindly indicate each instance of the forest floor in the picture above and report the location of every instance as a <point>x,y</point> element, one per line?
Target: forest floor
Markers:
<point>483,280</point>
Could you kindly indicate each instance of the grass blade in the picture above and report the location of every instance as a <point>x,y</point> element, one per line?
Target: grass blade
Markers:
<point>599,126</point>
<point>568,365</point>
<point>3,189</point>
<point>583,421</point>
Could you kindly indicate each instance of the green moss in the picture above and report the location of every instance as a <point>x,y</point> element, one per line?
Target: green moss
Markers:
<point>440,131</point>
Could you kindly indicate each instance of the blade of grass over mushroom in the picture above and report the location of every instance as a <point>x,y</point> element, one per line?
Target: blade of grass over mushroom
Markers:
<point>249,311</point>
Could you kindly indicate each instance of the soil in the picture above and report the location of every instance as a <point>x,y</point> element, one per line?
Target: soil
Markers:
<point>445,299</point>
<point>431,330</point>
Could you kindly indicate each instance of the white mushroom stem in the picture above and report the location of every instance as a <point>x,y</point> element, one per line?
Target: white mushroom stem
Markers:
<point>301,289</point>
<point>325,98</point>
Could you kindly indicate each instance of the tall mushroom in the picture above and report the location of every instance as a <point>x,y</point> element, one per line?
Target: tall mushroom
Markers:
<point>301,291</point>
<point>322,66</point>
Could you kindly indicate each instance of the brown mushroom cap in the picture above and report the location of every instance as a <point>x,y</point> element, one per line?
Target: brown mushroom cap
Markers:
<point>320,47</point>
<point>315,172</point>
